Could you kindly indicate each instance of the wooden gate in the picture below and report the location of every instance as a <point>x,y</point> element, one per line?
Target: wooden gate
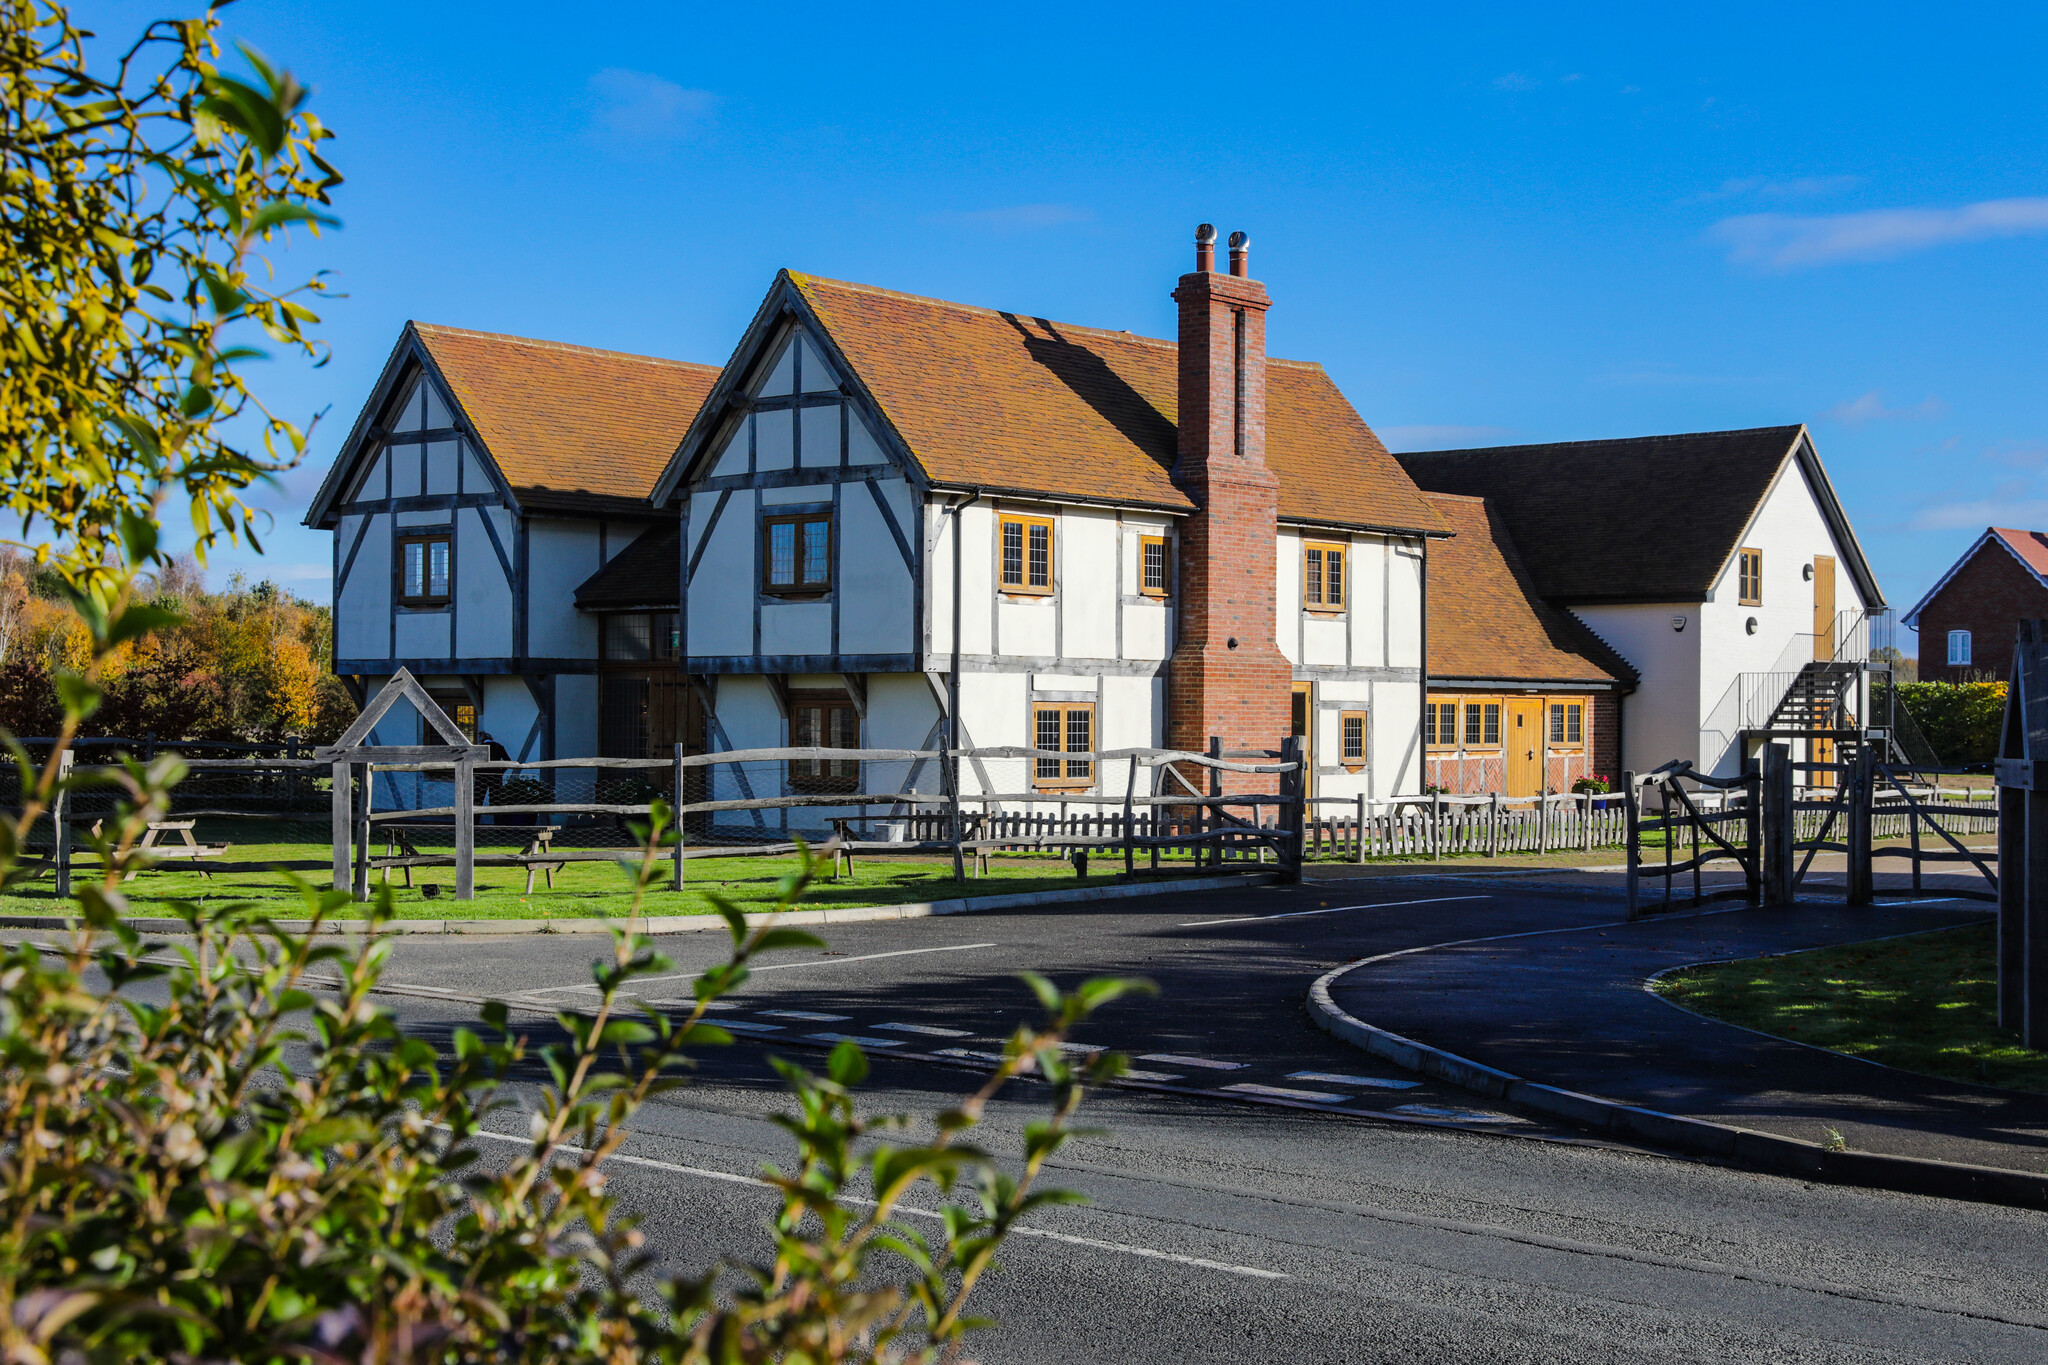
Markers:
<point>1697,820</point>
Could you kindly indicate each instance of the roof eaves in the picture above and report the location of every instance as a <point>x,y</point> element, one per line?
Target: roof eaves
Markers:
<point>345,457</point>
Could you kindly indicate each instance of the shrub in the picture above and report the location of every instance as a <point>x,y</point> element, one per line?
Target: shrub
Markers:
<point>251,1160</point>
<point>1961,720</point>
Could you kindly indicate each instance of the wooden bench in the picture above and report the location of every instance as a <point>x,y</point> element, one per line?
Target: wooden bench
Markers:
<point>190,849</point>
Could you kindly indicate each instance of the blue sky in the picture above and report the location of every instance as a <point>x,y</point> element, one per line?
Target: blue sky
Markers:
<point>1492,225</point>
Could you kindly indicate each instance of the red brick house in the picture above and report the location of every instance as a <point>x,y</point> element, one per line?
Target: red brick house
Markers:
<point>1967,619</point>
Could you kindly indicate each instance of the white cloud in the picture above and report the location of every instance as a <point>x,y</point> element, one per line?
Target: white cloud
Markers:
<point>1514,80</point>
<point>1777,241</point>
<point>1803,187</point>
<point>1870,408</point>
<point>1954,516</point>
<point>643,106</point>
<point>1441,437</point>
<point>1016,217</point>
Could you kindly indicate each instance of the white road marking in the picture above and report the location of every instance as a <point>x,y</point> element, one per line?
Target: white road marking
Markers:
<point>1333,1078</point>
<point>1095,1243</point>
<point>931,1029</point>
<point>1148,1076</point>
<point>740,1026</point>
<point>972,1054</point>
<point>1175,1059</point>
<point>812,1015</point>
<point>784,966</point>
<point>854,1038</point>
<point>1282,1092</point>
<point>1332,910</point>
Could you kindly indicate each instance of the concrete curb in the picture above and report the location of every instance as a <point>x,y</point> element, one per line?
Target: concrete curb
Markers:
<point>677,924</point>
<point>1744,1146</point>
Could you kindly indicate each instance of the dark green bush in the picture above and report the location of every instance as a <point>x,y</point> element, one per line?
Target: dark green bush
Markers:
<point>1961,720</point>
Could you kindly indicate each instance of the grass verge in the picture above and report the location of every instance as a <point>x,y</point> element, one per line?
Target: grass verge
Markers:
<point>1928,1003</point>
<point>590,889</point>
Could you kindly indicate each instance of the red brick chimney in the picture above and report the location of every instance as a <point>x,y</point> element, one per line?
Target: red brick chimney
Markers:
<point>1227,676</point>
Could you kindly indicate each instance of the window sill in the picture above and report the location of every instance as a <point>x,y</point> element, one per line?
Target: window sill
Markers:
<point>1749,601</point>
<point>1323,611</point>
<point>426,604</point>
<point>1034,594</point>
<point>797,594</point>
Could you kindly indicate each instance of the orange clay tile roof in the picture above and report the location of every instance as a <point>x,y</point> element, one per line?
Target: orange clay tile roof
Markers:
<point>568,423</point>
<point>1019,404</point>
<point>1485,618</point>
<point>2031,547</point>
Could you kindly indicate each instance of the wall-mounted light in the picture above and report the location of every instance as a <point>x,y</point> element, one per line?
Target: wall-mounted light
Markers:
<point>1750,625</point>
<point>1678,623</point>
<point>1806,572</point>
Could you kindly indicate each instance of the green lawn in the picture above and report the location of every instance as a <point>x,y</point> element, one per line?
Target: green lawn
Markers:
<point>1928,1003</point>
<point>585,889</point>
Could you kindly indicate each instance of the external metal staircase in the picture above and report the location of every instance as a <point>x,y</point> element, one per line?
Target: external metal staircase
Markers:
<point>1815,698</point>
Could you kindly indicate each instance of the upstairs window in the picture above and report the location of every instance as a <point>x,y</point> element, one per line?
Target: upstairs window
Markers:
<point>1750,575</point>
<point>796,554</point>
<point>1322,576</point>
<point>1062,730</point>
<point>424,567</point>
<point>1958,648</point>
<point>1026,548</point>
<point>1155,574</point>
<point>1567,722</point>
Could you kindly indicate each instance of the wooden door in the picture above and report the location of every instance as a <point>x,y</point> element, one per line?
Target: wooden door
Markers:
<point>1305,728</point>
<point>1824,607</point>
<point>1523,739</point>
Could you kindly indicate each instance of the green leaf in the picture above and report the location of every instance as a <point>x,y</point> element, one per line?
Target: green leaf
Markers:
<point>246,110</point>
<point>141,619</point>
<point>772,939</point>
<point>848,1065</point>
<point>80,697</point>
<point>626,1031</point>
<point>1047,993</point>
<point>138,536</point>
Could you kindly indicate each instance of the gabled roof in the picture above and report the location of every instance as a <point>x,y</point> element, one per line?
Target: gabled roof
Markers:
<point>1643,519</point>
<point>978,398</point>
<point>1486,620</point>
<point>2030,548</point>
<point>644,574</point>
<point>569,428</point>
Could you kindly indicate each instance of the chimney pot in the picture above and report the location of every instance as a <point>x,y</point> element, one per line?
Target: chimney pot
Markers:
<point>1205,248</point>
<point>1240,253</point>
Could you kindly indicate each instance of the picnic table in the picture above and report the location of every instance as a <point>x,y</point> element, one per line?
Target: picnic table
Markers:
<point>190,849</point>
<point>397,843</point>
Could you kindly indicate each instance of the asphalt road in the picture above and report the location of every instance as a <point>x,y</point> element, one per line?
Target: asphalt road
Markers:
<point>1243,1225</point>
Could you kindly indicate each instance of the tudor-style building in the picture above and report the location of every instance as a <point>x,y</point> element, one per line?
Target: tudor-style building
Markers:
<point>1718,565</point>
<point>1970,618</point>
<point>885,506</point>
<point>485,479</point>
<point>1122,541</point>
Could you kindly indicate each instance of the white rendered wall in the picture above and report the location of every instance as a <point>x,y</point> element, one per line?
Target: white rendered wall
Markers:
<point>483,596</point>
<point>1790,531</point>
<point>560,553</point>
<point>362,606</point>
<point>1661,719</point>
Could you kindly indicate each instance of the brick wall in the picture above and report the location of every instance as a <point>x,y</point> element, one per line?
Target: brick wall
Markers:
<point>1989,596</point>
<point>1603,738</point>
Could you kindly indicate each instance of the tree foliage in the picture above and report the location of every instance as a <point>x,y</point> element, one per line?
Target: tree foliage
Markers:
<point>1961,720</point>
<point>247,663</point>
<point>138,200</point>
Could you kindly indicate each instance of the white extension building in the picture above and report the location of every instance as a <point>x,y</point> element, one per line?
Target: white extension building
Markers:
<point>1720,565</point>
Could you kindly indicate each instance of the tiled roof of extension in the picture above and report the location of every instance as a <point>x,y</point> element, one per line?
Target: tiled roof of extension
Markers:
<point>1486,620</point>
<point>644,574</point>
<point>1022,405</point>
<point>568,424</point>
<point>1644,519</point>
